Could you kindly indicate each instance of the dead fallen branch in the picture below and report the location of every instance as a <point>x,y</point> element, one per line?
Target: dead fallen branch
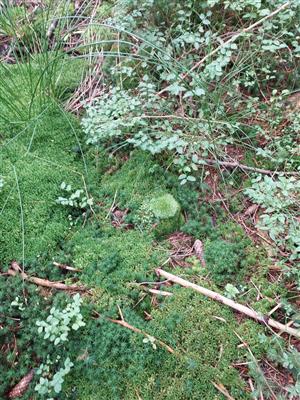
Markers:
<point>16,270</point>
<point>228,302</point>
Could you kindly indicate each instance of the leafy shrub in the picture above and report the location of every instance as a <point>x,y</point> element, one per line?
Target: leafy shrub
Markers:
<point>279,199</point>
<point>140,116</point>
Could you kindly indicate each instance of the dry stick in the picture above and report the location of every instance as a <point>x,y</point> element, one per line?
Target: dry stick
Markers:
<point>252,388</point>
<point>137,330</point>
<point>16,269</point>
<point>228,302</point>
<point>159,292</point>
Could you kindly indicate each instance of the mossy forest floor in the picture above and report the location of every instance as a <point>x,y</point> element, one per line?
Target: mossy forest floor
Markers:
<point>114,256</point>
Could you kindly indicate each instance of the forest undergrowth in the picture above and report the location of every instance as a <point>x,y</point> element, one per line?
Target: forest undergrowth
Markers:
<point>137,136</point>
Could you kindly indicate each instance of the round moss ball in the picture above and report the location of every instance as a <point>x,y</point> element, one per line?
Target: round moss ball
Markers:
<point>167,211</point>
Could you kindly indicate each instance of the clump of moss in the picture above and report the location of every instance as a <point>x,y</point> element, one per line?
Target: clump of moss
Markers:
<point>161,214</point>
<point>115,260</point>
<point>204,347</point>
<point>164,207</point>
<point>167,211</point>
<point>31,213</point>
<point>223,260</point>
<point>33,167</point>
<point>136,179</point>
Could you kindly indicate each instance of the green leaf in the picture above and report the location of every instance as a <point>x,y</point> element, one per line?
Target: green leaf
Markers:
<point>199,91</point>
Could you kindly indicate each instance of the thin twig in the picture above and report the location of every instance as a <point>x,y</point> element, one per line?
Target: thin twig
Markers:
<point>274,309</point>
<point>221,388</point>
<point>154,283</point>
<point>159,292</point>
<point>137,330</point>
<point>252,388</point>
<point>112,205</point>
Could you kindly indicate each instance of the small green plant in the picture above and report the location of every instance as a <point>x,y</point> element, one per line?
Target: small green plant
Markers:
<point>151,341</point>
<point>46,386</point>
<point>76,199</point>
<point>56,329</point>
<point>58,324</point>
<point>144,218</point>
<point>18,303</point>
<point>231,291</point>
